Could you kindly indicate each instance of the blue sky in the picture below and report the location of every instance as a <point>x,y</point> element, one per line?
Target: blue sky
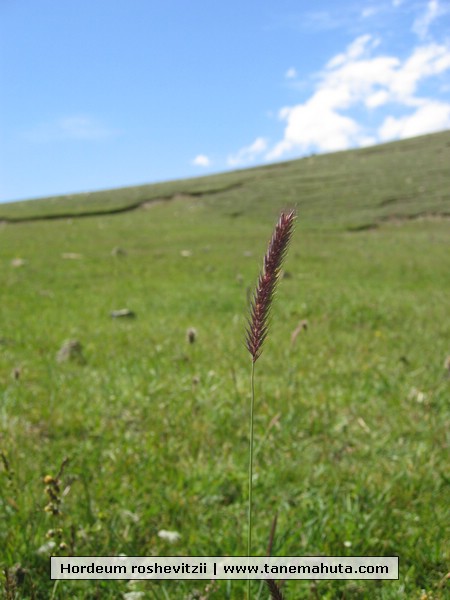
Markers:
<point>107,93</point>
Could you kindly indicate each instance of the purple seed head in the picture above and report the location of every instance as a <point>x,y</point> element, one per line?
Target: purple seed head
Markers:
<point>262,299</point>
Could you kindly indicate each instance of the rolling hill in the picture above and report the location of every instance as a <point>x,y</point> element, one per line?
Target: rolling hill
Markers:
<point>352,189</point>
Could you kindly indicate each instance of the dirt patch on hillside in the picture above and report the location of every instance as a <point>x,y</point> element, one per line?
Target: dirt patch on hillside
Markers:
<point>151,203</point>
<point>399,220</point>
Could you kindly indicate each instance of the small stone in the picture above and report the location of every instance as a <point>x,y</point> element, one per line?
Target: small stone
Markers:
<point>123,313</point>
<point>118,251</point>
<point>447,364</point>
<point>71,350</point>
<point>18,262</point>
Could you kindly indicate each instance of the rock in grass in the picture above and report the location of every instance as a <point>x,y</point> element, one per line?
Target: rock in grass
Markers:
<point>18,262</point>
<point>71,350</point>
<point>71,256</point>
<point>118,251</point>
<point>123,313</point>
<point>447,365</point>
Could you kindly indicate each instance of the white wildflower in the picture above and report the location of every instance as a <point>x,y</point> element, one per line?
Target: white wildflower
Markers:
<point>169,536</point>
<point>46,548</point>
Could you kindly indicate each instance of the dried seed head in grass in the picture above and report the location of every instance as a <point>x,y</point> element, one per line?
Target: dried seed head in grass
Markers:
<point>191,335</point>
<point>262,300</point>
<point>53,490</point>
<point>302,326</point>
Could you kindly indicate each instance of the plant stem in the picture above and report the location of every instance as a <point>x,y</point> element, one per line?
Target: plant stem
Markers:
<point>250,472</point>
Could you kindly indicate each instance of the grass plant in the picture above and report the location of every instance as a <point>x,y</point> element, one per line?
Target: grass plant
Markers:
<point>256,334</point>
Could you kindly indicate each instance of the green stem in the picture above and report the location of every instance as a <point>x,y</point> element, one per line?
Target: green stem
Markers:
<point>250,473</point>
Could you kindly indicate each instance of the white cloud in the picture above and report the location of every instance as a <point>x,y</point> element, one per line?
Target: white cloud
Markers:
<point>355,79</point>
<point>248,154</point>
<point>422,24</point>
<point>201,160</point>
<point>425,61</point>
<point>291,73</point>
<point>429,117</point>
<point>377,99</point>
<point>310,126</point>
<point>369,11</point>
<point>354,50</point>
<point>75,127</point>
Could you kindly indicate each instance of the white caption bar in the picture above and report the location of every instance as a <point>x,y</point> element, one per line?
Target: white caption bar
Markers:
<point>224,567</point>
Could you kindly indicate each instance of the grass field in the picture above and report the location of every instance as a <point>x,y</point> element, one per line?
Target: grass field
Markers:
<point>352,418</point>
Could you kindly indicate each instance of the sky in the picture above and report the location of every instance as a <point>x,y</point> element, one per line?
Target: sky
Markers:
<point>99,94</point>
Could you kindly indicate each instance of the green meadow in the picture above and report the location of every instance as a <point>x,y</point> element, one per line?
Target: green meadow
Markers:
<point>151,431</point>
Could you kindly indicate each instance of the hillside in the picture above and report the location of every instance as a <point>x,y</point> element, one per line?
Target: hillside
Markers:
<point>352,189</point>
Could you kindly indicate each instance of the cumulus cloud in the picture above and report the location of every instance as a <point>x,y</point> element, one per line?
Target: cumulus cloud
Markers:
<point>74,127</point>
<point>201,160</point>
<point>308,127</point>
<point>423,22</point>
<point>425,61</point>
<point>430,116</point>
<point>355,80</point>
<point>248,154</point>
